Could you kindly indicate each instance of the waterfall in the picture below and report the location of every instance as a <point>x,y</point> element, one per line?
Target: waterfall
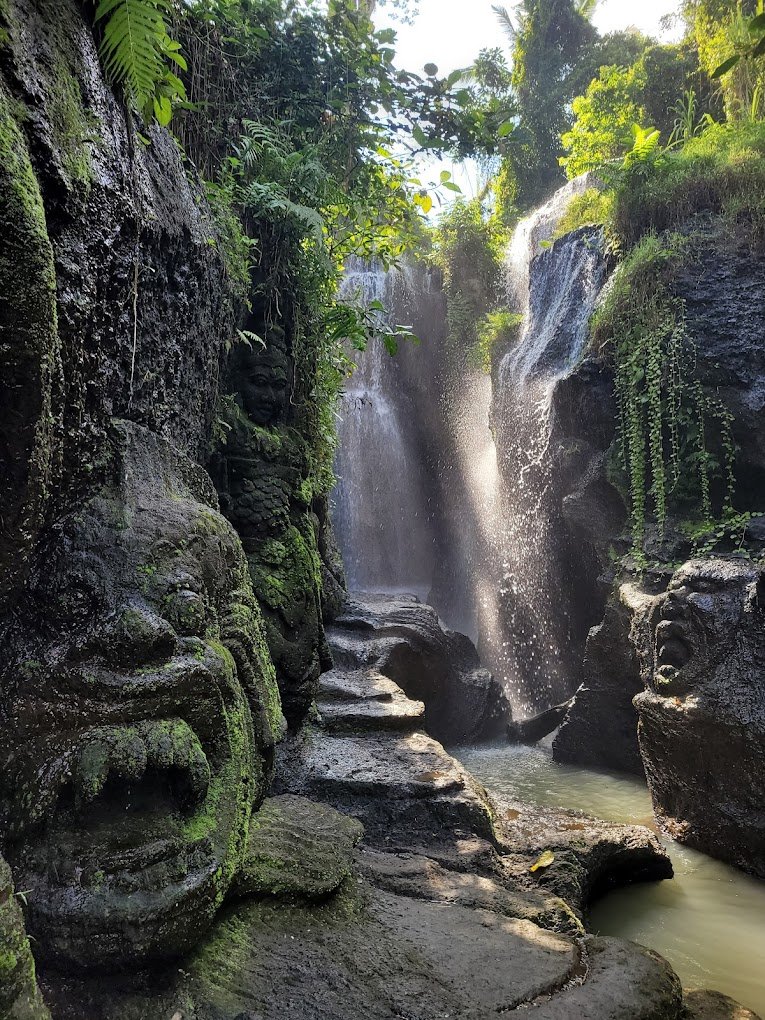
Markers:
<point>537,588</point>
<point>447,482</point>
<point>383,503</point>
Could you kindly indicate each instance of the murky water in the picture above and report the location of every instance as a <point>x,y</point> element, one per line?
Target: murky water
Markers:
<point>709,921</point>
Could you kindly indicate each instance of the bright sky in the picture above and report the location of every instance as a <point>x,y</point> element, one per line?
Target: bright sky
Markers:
<point>450,33</point>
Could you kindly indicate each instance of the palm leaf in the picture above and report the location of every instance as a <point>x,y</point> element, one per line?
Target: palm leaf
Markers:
<point>131,49</point>
<point>587,8</point>
<point>506,21</point>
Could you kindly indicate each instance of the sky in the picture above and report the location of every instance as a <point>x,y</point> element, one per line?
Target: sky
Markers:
<point>450,34</point>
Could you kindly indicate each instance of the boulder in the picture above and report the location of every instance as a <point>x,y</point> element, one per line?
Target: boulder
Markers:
<point>297,850</point>
<point>589,856</point>
<point>714,1006</point>
<point>600,729</point>
<point>404,639</point>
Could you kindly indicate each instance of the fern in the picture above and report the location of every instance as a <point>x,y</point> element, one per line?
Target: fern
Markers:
<point>135,50</point>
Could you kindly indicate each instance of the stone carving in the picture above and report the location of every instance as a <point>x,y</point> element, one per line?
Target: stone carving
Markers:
<point>702,714</point>
<point>264,480</point>
<point>138,710</point>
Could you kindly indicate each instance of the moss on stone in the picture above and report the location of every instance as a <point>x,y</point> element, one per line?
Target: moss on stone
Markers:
<point>19,995</point>
<point>28,344</point>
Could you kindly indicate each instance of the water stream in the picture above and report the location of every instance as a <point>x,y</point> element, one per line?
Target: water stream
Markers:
<point>709,921</point>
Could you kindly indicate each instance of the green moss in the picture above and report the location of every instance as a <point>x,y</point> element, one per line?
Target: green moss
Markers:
<point>592,208</point>
<point>495,333</point>
<point>19,996</point>
<point>28,340</point>
<point>73,130</point>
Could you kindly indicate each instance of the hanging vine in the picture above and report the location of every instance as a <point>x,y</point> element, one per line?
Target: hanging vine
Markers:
<point>665,415</point>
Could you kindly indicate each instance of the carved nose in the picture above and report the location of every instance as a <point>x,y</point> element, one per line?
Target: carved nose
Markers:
<point>140,636</point>
<point>674,603</point>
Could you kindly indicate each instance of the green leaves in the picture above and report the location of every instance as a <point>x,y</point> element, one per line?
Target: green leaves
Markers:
<point>756,27</point>
<point>543,861</point>
<point>136,51</point>
<point>727,65</point>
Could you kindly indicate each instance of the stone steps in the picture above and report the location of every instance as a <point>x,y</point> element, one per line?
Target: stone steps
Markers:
<point>365,700</point>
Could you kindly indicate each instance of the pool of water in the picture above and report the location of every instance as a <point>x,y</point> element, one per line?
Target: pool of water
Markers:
<point>709,921</point>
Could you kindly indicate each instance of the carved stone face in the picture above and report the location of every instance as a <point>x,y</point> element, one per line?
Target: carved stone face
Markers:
<point>261,377</point>
<point>695,621</point>
<point>137,710</point>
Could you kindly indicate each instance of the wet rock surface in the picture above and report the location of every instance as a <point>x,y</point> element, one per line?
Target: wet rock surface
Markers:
<point>714,1006</point>
<point>404,639</point>
<point>589,855</point>
<point>702,713</point>
<point>600,728</point>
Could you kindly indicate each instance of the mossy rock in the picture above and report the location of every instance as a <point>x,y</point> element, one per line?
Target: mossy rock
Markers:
<point>20,998</point>
<point>297,850</point>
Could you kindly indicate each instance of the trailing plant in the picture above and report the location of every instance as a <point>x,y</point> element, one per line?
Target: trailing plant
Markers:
<point>666,420</point>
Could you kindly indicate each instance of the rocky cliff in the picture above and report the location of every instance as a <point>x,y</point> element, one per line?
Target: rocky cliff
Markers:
<point>720,287</point>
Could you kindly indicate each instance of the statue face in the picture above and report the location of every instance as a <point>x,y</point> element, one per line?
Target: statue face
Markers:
<point>695,621</point>
<point>261,379</point>
<point>136,711</point>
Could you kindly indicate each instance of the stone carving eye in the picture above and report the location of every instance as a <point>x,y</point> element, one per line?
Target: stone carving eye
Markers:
<point>187,612</point>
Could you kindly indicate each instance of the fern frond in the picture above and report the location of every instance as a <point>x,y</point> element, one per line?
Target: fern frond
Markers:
<point>132,48</point>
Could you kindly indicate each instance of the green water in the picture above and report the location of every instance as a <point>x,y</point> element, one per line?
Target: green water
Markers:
<point>709,921</point>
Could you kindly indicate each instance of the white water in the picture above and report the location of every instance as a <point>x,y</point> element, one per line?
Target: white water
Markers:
<point>382,506</point>
<point>556,289</point>
<point>430,499</point>
<point>708,921</point>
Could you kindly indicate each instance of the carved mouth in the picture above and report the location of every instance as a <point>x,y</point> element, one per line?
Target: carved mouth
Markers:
<point>116,807</point>
<point>673,648</point>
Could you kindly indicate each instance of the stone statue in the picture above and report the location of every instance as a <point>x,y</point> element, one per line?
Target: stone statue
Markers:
<point>264,477</point>
<point>138,713</point>
<point>696,622</point>
<point>702,714</point>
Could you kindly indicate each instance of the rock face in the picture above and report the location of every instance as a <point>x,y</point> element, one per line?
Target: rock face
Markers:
<point>404,639</point>
<point>117,233</point>
<point>600,728</point>
<point>19,995</point>
<point>139,712</point>
<point>138,703</point>
<point>702,714</point>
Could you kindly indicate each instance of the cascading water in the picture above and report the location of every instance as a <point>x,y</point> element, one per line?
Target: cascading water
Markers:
<point>383,504</point>
<point>557,289</point>
<point>446,487</point>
